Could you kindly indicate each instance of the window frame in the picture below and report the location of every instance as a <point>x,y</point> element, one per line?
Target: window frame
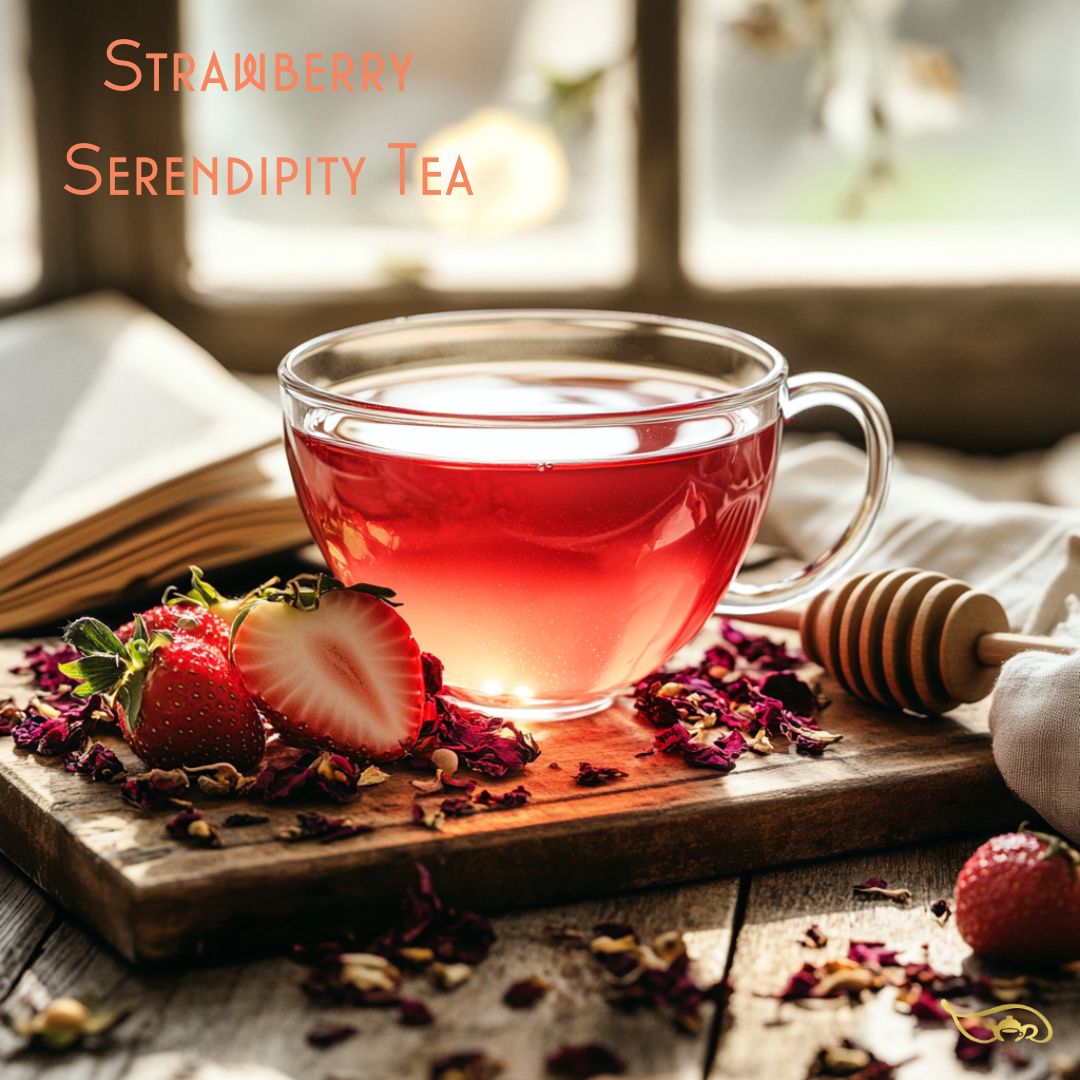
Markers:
<point>1001,345</point>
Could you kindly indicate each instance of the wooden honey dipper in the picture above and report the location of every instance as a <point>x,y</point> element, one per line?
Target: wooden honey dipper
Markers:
<point>909,639</point>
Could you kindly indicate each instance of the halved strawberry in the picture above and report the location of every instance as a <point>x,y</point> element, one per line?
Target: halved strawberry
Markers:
<point>178,699</point>
<point>332,667</point>
<point>192,620</point>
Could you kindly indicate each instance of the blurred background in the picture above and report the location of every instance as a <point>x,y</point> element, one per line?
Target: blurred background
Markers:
<point>881,187</point>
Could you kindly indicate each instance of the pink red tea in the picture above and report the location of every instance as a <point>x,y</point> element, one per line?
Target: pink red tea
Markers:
<point>545,565</point>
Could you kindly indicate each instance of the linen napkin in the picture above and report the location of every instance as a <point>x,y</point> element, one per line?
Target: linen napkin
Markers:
<point>1025,553</point>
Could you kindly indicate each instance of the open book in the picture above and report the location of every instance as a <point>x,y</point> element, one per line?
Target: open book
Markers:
<point>128,454</point>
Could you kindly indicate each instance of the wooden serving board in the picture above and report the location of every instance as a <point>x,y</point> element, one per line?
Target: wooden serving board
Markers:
<point>893,779</point>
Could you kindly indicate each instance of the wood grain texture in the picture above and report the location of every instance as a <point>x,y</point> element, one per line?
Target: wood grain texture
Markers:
<point>248,1021</point>
<point>152,897</point>
<point>766,1038</point>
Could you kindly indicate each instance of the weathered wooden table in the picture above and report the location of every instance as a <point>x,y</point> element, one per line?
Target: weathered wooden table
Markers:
<point>248,1021</point>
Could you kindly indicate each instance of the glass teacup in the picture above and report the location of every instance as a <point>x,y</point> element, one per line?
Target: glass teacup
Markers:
<point>561,499</point>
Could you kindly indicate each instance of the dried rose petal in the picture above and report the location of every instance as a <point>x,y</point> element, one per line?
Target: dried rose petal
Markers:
<point>414,1013</point>
<point>525,993</point>
<point>326,1033</point>
<point>43,662</point>
<point>485,744</point>
<point>760,651</point>
<point>156,788</point>
<point>720,755</point>
<point>975,1053</point>
<point>595,775</point>
<point>457,807</point>
<point>471,1065</point>
<point>506,800</point>
<point>243,820</point>
<point>585,1061</point>
<point>433,673</point>
<point>293,772</point>
<point>51,736</point>
<point>429,819</point>
<point>11,716</point>
<point>873,954</point>
<point>926,1006</point>
<point>453,936</point>
<point>792,693</point>
<point>222,778</point>
<point>191,825</point>
<point>311,825</point>
<point>801,984</point>
<point>852,1061</point>
<point>814,937</point>
<point>98,762</point>
<point>877,887</point>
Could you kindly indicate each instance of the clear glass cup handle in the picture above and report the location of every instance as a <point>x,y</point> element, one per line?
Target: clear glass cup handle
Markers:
<point>813,390</point>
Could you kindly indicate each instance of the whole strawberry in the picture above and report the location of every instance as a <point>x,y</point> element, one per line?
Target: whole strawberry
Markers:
<point>191,620</point>
<point>1018,898</point>
<point>178,699</point>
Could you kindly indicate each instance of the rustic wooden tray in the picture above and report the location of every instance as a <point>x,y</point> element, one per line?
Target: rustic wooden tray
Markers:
<point>893,779</point>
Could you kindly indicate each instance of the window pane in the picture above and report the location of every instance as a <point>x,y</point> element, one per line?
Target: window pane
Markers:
<point>20,259</point>
<point>534,94</point>
<point>882,140</point>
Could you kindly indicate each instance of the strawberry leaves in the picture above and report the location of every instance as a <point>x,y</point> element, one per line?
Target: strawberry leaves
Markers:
<point>108,667</point>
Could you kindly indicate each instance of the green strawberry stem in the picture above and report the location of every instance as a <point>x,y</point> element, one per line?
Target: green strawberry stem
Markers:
<point>109,667</point>
<point>304,592</point>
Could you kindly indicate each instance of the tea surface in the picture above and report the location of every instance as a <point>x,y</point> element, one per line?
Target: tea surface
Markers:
<point>541,563</point>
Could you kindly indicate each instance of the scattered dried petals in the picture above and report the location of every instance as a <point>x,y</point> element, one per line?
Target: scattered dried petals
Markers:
<point>221,779</point>
<point>425,922</point>
<point>595,775</point>
<point>848,1059</point>
<point>191,825</point>
<point>505,800</point>
<point>873,954</point>
<point>156,788</point>
<point>97,762</point>
<point>585,1061</point>
<point>877,887</point>
<point>290,772</point>
<point>485,744</point>
<point>327,1033</point>
<point>414,1013</point>
<point>311,825</point>
<point>457,807</point>
<point>525,993</point>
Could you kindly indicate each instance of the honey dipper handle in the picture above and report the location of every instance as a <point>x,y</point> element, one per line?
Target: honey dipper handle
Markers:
<point>995,649</point>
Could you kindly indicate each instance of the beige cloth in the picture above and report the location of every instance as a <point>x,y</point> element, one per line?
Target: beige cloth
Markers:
<point>1025,553</point>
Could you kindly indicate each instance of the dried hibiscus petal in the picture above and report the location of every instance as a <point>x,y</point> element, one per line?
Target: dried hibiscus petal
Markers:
<point>875,886</point>
<point>457,807</point>
<point>485,744</point>
<point>425,922</point>
<point>414,1013</point>
<point>156,788</point>
<point>311,825</point>
<point>525,993</point>
<point>98,762</point>
<point>596,775</point>
<point>43,663</point>
<point>506,800</point>
<point>292,772</point>
<point>585,1061</point>
<point>191,825</point>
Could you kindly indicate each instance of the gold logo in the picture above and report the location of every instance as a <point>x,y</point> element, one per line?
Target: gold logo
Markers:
<point>1008,1027</point>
